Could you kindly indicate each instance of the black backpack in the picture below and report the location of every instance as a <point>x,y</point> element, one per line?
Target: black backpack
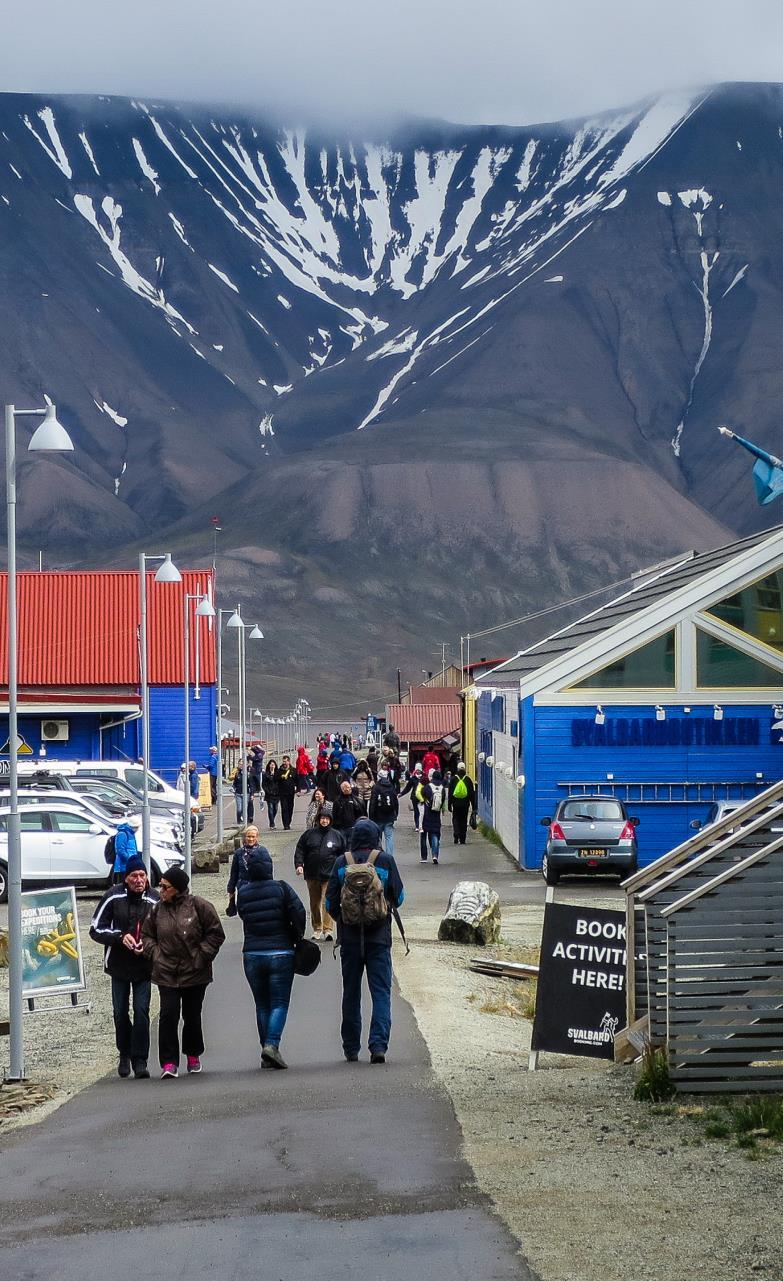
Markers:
<point>110,850</point>
<point>384,799</point>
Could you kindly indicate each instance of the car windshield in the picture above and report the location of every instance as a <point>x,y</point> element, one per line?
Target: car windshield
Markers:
<point>592,810</point>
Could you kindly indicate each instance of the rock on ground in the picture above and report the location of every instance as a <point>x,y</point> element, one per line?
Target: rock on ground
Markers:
<point>472,916</point>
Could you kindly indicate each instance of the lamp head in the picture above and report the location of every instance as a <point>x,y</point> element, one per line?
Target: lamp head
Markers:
<point>51,436</point>
<point>167,572</point>
<point>235,620</point>
<point>256,633</point>
<point>205,608</point>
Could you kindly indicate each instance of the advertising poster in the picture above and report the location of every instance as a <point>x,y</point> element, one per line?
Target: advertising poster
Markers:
<point>51,947</point>
<point>581,983</point>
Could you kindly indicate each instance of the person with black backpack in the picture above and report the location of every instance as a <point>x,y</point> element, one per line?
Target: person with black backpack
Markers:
<point>384,808</point>
<point>364,891</point>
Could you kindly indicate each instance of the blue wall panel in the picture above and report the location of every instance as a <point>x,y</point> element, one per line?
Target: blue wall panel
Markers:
<point>82,742</point>
<point>167,746</point>
<point>484,742</point>
<point>663,825</point>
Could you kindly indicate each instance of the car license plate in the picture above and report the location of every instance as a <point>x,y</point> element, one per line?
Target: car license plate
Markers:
<point>592,853</point>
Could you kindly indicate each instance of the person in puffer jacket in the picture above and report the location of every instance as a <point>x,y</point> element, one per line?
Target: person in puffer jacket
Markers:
<point>125,847</point>
<point>273,919</point>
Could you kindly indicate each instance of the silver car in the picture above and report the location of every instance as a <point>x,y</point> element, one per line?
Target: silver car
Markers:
<point>589,835</point>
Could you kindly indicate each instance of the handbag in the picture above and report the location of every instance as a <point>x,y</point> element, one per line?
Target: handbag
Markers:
<point>473,822</point>
<point>307,956</point>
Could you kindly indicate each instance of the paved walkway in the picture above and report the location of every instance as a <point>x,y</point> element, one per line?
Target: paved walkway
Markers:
<point>330,1170</point>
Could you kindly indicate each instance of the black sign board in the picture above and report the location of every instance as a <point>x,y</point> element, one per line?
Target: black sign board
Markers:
<point>581,983</point>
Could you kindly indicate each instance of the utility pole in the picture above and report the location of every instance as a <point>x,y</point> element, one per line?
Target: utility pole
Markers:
<point>399,685</point>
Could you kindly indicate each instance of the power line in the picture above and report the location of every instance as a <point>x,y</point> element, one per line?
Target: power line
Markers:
<point>550,609</point>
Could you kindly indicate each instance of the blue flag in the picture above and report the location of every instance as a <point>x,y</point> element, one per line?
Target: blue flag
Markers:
<point>767,469</point>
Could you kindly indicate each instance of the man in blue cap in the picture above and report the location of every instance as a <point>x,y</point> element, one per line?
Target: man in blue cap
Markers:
<point>365,888</point>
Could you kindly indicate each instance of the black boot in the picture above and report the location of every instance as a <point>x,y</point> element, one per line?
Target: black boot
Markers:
<point>124,1066</point>
<point>140,1069</point>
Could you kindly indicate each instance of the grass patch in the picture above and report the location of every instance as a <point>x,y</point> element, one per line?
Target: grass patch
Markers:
<point>753,1124</point>
<point>490,834</point>
<point>511,1004</point>
<point>654,1084</point>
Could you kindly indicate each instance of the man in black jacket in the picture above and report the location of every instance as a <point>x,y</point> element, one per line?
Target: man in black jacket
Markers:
<point>314,857</point>
<point>366,947</point>
<point>347,809</point>
<point>117,924</point>
<point>462,802</point>
<point>286,783</point>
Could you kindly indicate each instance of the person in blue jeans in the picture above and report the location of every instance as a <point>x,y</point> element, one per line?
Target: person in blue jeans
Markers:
<point>273,918</point>
<point>384,808</point>
<point>365,949</point>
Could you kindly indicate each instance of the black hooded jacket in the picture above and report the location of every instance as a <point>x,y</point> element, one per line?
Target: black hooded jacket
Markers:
<point>119,913</point>
<point>316,851</point>
<point>271,911</point>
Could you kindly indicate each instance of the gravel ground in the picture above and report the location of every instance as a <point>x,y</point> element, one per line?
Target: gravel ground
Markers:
<point>596,1186</point>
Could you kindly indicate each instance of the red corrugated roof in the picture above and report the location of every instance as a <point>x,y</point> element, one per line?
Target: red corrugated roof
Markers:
<point>81,628</point>
<point>424,722</point>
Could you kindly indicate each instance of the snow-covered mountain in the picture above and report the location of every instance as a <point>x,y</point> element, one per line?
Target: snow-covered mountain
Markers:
<point>206,296</point>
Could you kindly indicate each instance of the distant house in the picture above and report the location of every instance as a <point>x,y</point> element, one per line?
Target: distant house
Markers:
<point>670,697</point>
<point>79,677</point>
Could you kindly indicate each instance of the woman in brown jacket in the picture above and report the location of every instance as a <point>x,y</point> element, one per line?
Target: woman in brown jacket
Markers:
<point>182,935</point>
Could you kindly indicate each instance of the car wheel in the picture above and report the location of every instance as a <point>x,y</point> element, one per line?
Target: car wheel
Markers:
<point>548,872</point>
<point>3,883</point>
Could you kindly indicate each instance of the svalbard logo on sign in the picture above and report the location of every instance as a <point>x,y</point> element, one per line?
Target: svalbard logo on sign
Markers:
<point>581,982</point>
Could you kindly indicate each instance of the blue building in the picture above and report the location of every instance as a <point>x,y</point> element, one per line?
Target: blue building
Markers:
<point>669,697</point>
<point>78,668</point>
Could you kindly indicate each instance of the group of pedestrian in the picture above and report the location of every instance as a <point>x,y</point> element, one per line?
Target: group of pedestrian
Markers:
<point>345,857</point>
<point>171,938</point>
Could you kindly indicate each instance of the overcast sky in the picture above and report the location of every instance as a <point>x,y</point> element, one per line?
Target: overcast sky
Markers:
<point>477,61</point>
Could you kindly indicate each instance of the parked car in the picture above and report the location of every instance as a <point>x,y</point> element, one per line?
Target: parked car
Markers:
<point>161,833</point>
<point>62,843</point>
<point>589,835</point>
<point>132,772</point>
<point>117,797</point>
<point>716,811</point>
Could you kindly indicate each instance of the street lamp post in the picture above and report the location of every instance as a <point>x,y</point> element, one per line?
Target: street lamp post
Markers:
<point>50,436</point>
<point>167,572</point>
<point>219,615</point>
<point>237,622</point>
<point>204,609</point>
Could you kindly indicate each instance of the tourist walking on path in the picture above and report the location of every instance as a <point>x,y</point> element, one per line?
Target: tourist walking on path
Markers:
<point>363,782</point>
<point>361,899</point>
<point>433,795</point>
<point>430,761</point>
<point>391,762</point>
<point>304,770</point>
<point>384,808</point>
<point>462,802</point>
<point>213,769</point>
<point>314,808</point>
<point>271,791</point>
<point>117,924</point>
<point>125,847</point>
<point>256,763</point>
<point>415,780</point>
<point>321,768</point>
<point>334,777</point>
<point>392,739</point>
<point>347,809</point>
<point>238,787</point>
<point>182,935</point>
<point>194,780</point>
<point>372,760</point>
<point>239,862</point>
<point>286,784</point>
<point>314,858</point>
<point>273,919</point>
